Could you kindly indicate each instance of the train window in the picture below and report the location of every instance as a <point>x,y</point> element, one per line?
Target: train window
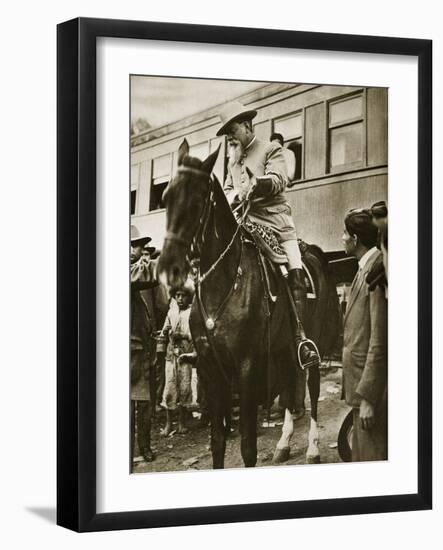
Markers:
<point>291,128</point>
<point>263,130</point>
<point>135,175</point>
<point>135,178</point>
<point>199,150</point>
<point>133,201</point>
<point>346,145</point>
<point>346,134</point>
<point>157,189</point>
<point>346,110</point>
<point>161,174</point>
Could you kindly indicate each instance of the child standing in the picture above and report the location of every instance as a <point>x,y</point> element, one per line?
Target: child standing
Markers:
<point>176,342</point>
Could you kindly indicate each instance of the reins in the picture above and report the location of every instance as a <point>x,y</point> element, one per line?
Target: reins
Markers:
<point>210,321</point>
<point>201,278</point>
<point>207,211</point>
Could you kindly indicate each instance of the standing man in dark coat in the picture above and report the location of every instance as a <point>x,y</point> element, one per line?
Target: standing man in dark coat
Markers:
<point>365,344</point>
<point>142,278</point>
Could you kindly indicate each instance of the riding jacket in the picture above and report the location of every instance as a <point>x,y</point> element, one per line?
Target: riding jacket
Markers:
<point>270,206</point>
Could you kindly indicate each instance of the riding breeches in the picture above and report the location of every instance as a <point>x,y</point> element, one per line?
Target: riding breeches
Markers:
<point>292,251</point>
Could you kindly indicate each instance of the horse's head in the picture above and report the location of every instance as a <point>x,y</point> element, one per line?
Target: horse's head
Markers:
<point>185,198</point>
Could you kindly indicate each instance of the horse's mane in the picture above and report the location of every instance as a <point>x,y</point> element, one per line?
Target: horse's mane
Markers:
<point>220,194</point>
<point>220,197</point>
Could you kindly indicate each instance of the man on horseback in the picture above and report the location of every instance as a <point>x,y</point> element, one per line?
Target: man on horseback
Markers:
<point>257,170</point>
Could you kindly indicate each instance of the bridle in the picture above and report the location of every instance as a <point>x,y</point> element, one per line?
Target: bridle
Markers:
<point>194,244</point>
<point>204,218</point>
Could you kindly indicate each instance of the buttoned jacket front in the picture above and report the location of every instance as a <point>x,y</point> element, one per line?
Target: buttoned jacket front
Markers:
<point>267,163</point>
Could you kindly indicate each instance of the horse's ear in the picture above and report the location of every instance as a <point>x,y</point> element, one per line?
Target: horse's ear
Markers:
<point>208,164</point>
<point>183,150</point>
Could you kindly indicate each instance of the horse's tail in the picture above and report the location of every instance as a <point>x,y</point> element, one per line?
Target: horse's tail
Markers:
<point>324,323</point>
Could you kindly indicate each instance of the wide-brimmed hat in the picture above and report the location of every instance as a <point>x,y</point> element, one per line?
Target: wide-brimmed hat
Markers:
<point>234,112</point>
<point>152,251</point>
<point>137,239</point>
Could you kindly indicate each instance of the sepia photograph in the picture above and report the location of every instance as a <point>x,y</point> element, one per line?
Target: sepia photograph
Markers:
<point>258,272</point>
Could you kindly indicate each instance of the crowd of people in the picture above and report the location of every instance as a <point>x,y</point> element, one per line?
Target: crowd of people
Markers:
<point>163,357</point>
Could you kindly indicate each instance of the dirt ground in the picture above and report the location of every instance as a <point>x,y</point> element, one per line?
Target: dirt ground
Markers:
<point>191,451</point>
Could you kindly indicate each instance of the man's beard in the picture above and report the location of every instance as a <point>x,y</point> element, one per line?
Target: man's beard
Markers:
<point>235,152</point>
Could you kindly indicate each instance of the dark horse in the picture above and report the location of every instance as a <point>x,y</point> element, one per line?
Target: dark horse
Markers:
<point>240,337</point>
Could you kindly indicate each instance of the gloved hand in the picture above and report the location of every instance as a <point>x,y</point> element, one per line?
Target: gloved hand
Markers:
<point>259,187</point>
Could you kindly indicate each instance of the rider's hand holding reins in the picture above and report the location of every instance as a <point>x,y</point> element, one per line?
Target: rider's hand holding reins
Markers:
<point>259,187</point>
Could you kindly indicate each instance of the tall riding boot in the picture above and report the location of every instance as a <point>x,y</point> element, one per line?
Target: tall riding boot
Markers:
<point>296,282</point>
<point>307,352</point>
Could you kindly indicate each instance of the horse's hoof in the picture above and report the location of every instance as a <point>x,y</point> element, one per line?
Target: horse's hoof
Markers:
<point>281,455</point>
<point>314,459</point>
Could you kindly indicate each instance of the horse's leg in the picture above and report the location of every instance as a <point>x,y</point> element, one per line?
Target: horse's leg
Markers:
<point>282,450</point>
<point>313,453</point>
<point>218,431</point>
<point>248,415</point>
<point>248,432</point>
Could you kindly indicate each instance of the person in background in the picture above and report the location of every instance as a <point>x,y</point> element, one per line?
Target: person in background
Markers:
<point>378,274</point>
<point>176,343</point>
<point>384,246</point>
<point>157,301</point>
<point>379,212</point>
<point>365,343</point>
<point>287,153</point>
<point>150,253</point>
<point>384,251</point>
<point>141,349</point>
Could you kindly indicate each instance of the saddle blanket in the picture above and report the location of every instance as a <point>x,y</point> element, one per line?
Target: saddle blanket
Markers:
<point>266,239</point>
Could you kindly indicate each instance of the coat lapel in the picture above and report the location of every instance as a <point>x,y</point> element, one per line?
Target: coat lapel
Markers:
<point>360,278</point>
<point>355,289</point>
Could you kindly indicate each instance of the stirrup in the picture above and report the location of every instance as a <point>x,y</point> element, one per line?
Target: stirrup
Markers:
<point>308,349</point>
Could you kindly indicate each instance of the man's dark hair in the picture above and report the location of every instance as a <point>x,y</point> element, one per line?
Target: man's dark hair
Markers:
<point>359,223</point>
<point>379,210</point>
<point>278,137</point>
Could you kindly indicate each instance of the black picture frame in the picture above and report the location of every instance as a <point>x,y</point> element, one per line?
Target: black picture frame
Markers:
<point>76,277</point>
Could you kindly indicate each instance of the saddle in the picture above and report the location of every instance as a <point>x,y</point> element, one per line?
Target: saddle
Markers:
<point>271,256</point>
